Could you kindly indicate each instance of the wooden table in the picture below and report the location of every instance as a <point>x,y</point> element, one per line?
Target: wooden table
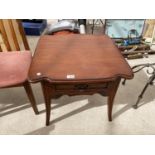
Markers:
<point>78,65</point>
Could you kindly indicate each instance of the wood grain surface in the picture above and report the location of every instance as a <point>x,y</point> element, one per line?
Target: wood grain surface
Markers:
<point>76,57</point>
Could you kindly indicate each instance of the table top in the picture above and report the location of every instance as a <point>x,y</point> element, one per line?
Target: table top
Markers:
<point>76,57</point>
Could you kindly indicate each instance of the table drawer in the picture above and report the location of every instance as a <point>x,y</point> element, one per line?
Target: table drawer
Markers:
<point>81,86</point>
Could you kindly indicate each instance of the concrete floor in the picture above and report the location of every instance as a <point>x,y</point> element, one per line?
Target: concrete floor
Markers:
<point>80,114</point>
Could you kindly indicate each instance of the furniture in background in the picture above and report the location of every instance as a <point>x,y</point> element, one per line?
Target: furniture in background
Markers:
<point>149,28</point>
<point>82,25</point>
<point>120,28</point>
<point>34,26</point>
<point>15,61</point>
<point>64,26</point>
<point>78,65</point>
<point>95,21</point>
<point>129,36</point>
<point>138,68</point>
<point>148,33</point>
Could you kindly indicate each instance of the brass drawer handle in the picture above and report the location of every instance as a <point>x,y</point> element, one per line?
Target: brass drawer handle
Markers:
<point>81,86</point>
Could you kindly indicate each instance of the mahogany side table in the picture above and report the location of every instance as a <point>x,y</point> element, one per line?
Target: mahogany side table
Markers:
<point>78,65</point>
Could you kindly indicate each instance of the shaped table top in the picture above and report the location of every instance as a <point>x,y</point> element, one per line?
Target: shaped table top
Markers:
<point>76,57</point>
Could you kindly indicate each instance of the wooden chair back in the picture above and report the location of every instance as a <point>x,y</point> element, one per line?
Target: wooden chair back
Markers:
<point>12,36</point>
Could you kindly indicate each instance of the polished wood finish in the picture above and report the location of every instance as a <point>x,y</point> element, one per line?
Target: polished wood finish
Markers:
<point>47,97</point>
<point>78,65</point>
<point>88,57</point>
<point>30,95</point>
<point>4,35</point>
<point>13,26</point>
<point>23,35</point>
<point>112,89</point>
<point>14,35</point>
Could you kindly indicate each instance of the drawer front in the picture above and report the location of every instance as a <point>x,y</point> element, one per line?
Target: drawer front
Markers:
<point>81,86</point>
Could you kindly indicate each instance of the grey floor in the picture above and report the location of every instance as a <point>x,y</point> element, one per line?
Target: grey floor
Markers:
<point>80,114</point>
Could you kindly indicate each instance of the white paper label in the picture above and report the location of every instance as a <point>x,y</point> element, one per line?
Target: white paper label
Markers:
<point>38,74</point>
<point>70,76</point>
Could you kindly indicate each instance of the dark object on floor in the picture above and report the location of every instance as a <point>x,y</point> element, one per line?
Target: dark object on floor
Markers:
<point>139,47</point>
<point>134,51</point>
<point>34,27</point>
<point>138,68</point>
<point>135,56</point>
<point>138,51</point>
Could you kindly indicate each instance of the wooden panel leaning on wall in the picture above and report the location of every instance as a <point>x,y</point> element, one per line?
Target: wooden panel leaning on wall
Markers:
<point>149,26</point>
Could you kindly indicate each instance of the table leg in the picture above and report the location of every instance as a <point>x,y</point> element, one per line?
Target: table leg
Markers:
<point>113,86</point>
<point>93,26</point>
<point>47,98</point>
<point>30,95</point>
